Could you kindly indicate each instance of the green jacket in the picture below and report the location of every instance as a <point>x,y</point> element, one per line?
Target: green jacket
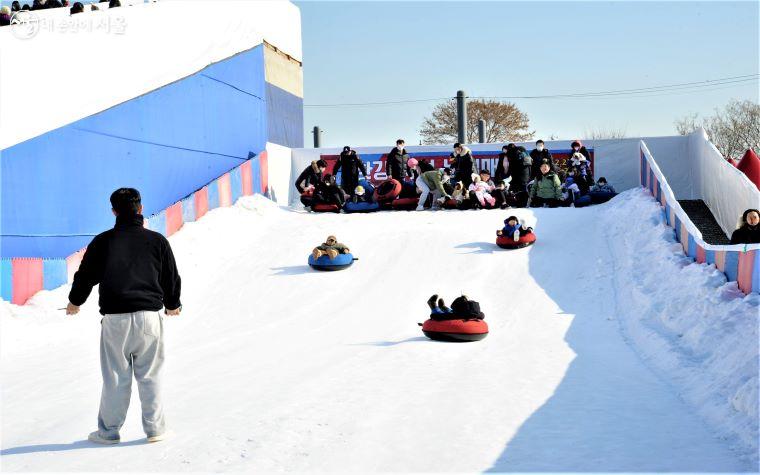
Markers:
<point>547,187</point>
<point>433,179</point>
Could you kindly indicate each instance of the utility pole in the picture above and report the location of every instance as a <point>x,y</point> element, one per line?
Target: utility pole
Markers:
<point>481,131</point>
<point>461,117</point>
<point>317,136</point>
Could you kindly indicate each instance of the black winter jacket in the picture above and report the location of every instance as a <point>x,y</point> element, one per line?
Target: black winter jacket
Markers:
<point>746,235</point>
<point>464,166</point>
<point>135,269</point>
<point>350,164</point>
<point>395,164</point>
<point>520,166</point>
<point>538,158</point>
<point>310,176</point>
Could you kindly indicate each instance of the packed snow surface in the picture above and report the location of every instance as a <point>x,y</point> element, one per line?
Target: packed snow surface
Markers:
<point>607,352</point>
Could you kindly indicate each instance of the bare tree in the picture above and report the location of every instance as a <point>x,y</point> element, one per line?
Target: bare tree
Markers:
<point>603,133</point>
<point>733,130</point>
<point>504,123</point>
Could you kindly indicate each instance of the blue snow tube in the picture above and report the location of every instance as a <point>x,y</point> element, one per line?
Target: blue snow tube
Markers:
<point>340,262</point>
<point>361,207</point>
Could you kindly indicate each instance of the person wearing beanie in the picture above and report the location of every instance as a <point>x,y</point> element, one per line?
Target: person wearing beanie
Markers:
<point>463,164</point>
<point>395,163</point>
<point>538,155</point>
<point>514,228</point>
<point>748,231</point>
<point>349,164</point>
<point>330,248</point>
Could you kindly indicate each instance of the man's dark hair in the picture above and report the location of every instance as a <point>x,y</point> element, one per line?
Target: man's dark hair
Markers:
<point>321,163</point>
<point>400,141</point>
<point>78,7</point>
<point>126,201</point>
<point>539,141</point>
<point>457,145</point>
<point>114,4</point>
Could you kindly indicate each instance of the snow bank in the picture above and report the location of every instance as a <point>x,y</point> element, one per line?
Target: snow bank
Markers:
<point>690,326</point>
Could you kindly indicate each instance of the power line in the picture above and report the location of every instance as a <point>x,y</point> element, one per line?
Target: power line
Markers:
<point>677,88</point>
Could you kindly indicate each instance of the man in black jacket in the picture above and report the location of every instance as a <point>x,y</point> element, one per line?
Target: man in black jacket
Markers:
<point>308,179</point>
<point>138,277</point>
<point>350,164</point>
<point>538,155</point>
<point>520,166</point>
<point>395,163</point>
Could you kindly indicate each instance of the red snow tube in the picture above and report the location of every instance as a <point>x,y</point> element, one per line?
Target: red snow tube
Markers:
<point>387,190</point>
<point>450,204</point>
<point>455,330</point>
<point>325,208</point>
<point>407,204</point>
<point>506,242</point>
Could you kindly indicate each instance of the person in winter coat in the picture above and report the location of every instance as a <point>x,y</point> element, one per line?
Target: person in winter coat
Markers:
<point>570,190</point>
<point>310,176</point>
<point>434,181</point>
<point>137,276</point>
<point>578,147</point>
<point>602,191</point>
<point>502,164</point>
<point>350,164</point>
<point>395,163</point>
<point>330,248</point>
<point>748,231</point>
<point>514,228</point>
<point>480,192</point>
<point>520,166</point>
<point>78,7</point>
<point>463,164</point>
<point>15,6</point>
<point>327,192</point>
<point>497,190</point>
<point>538,155</point>
<point>547,189</point>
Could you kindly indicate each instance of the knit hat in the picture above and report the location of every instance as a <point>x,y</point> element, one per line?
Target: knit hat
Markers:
<point>359,190</point>
<point>412,162</point>
<point>5,10</point>
<point>465,308</point>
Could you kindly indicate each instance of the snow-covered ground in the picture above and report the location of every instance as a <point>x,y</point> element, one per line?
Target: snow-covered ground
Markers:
<point>596,361</point>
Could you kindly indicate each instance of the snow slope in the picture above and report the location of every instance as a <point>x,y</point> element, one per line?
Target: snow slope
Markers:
<point>275,367</point>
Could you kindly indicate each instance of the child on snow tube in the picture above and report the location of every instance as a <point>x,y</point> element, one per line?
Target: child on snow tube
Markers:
<point>514,228</point>
<point>462,322</point>
<point>462,308</point>
<point>330,248</point>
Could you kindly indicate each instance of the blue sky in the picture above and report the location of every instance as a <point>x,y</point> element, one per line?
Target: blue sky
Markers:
<point>385,51</point>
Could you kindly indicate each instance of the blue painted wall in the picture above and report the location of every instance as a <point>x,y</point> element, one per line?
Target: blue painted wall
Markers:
<point>285,114</point>
<point>167,143</point>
